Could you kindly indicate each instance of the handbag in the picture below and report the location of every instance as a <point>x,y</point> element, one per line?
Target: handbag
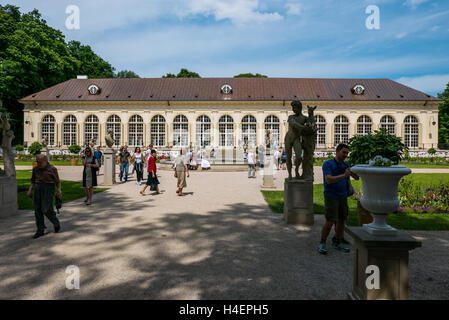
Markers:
<point>349,188</point>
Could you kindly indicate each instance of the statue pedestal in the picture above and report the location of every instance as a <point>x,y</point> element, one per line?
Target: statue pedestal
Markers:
<point>109,167</point>
<point>298,201</point>
<point>268,179</point>
<point>8,196</point>
<point>390,255</point>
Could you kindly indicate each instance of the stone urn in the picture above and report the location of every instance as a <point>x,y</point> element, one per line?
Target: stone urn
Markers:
<point>380,194</point>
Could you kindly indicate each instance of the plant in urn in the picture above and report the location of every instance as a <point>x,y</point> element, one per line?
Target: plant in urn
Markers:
<point>376,157</point>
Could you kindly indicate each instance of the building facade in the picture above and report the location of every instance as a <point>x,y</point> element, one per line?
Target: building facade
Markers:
<point>225,112</point>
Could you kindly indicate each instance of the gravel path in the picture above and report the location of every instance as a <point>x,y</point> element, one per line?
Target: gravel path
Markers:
<point>221,241</point>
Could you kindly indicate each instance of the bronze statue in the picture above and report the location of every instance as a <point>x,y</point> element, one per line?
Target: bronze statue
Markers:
<point>299,134</point>
<point>110,138</point>
<point>8,154</point>
<point>308,144</point>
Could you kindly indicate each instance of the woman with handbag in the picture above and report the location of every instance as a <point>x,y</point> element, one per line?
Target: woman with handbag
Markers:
<point>90,164</point>
<point>152,180</point>
<point>181,170</point>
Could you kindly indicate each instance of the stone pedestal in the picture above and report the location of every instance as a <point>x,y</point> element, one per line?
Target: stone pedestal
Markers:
<point>268,172</point>
<point>109,167</point>
<point>390,255</point>
<point>298,201</point>
<point>8,196</point>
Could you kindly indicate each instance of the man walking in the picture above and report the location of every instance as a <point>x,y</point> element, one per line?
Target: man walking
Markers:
<point>43,181</point>
<point>125,162</point>
<point>251,164</point>
<point>336,173</point>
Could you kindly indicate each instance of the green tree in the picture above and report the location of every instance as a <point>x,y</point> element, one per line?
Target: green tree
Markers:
<point>91,64</point>
<point>250,75</point>
<point>443,117</point>
<point>34,56</point>
<point>184,73</point>
<point>126,74</point>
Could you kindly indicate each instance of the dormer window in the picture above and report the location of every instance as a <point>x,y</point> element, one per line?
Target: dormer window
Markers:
<point>94,89</point>
<point>358,89</point>
<point>226,89</point>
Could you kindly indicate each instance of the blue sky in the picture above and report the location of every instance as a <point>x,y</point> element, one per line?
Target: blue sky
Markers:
<point>279,38</point>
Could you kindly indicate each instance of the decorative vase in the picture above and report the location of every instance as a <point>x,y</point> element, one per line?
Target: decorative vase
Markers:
<point>380,194</point>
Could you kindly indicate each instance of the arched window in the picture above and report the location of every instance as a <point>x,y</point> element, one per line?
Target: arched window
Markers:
<point>180,131</point>
<point>411,132</point>
<point>388,123</point>
<point>203,131</point>
<point>115,123</point>
<point>364,125</point>
<point>321,134</point>
<point>272,123</point>
<point>341,130</point>
<point>158,131</point>
<point>226,131</point>
<point>91,129</point>
<point>249,131</point>
<point>69,131</point>
<point>135,131</point>
<point>48,130</point>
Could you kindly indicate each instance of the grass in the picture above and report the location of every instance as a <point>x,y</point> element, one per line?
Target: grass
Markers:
<point>53,162</point>
<point>70,190</point>
<point>275,200</point>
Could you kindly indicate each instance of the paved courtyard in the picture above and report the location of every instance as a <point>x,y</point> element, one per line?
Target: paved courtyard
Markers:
<point>221,241</point>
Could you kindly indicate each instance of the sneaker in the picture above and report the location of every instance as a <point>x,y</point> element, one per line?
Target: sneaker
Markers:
<point>337,245</point>
<point>322,248</point>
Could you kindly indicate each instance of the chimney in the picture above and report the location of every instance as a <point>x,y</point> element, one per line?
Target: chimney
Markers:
<point>82,77</point>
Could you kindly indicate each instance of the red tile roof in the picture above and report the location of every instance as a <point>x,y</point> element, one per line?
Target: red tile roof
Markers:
<point>243,89</point>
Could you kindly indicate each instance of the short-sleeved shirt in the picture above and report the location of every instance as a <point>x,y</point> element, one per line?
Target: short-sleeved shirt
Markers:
<point>251,158</point>
<point>180,161</point>
<point>152,164</point>
<point>124,156</point>
<point>336,190</point>
<point>48,175</point>
<point>97,155</point>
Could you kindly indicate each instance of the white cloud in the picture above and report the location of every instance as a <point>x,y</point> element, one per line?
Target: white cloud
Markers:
<point>401,35</point>
<point>294,9</point>
<point>428,83</point>
<point>238,11</point>
<point>414,3</point>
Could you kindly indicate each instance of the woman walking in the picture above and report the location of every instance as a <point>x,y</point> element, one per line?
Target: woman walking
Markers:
<point>152,180</point>
<point>90,164</point>
<point>138,164</point>
<point>180,172</point>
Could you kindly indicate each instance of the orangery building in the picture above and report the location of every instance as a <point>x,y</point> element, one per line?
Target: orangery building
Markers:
<point>225,112</point>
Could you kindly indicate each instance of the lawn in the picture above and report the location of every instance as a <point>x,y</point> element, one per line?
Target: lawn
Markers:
<point>53,162</point>
<point>70,190</point>
<point>409,221</point>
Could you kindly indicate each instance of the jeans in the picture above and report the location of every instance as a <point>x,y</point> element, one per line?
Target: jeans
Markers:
<point>139,169</point>
<point>124,167</point>
<point>251,170</point>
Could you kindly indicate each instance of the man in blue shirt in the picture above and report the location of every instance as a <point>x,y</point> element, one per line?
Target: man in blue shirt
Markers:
<point>336,175</point>
<point>98,154</point>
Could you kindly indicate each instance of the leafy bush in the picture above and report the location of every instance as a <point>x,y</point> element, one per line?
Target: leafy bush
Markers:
<point>431,151</point>
<point>421,199</point>
<point>19,147</point>
<point>35,149</point>
<point>75,149</point>
<point>381,143</point>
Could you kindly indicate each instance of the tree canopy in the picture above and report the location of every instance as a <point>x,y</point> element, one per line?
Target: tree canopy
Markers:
<point>34,56</point>
<point>443,118</point>
<point>184,73</point>
<point>126,74</point>
<point>250,75</point>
